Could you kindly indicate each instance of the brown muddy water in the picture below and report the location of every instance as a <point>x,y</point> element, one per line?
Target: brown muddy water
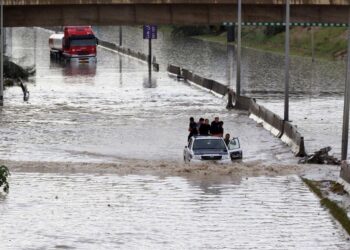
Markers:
<point>104,211</point>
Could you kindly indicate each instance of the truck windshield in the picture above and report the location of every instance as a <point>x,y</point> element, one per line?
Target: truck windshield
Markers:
<point>209,144</point>
<point>83,42</point>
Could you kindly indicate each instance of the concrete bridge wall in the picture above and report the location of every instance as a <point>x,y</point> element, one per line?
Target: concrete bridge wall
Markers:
<point>136,12</point>
<point>212,2</point>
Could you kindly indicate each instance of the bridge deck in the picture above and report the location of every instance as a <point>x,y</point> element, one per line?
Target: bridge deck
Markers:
<point>198,12</point>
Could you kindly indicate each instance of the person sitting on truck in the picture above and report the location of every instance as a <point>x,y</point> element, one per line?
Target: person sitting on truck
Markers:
<point>199,124</point>
<point>221,129</point>
<point>192,128</point>
<point>227,139</point>
<point>205,128</point>
<point>214,128</point>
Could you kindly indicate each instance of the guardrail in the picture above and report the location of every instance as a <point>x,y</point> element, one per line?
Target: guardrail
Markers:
<point>286,131</point>
<point>128,52</point>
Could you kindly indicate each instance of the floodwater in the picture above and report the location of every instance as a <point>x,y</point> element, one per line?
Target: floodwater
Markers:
<point>109,111</point>
<point>53,211</point>
<point>316,88</point>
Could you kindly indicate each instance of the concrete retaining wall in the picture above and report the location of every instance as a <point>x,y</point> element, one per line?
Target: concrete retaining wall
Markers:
<point>174,70</point>
<point>243,102</point>
<point>270,121</point>
<point>128,52</point>
<point>219,88</point>
<point>189,76</point>
<point>293,138</point>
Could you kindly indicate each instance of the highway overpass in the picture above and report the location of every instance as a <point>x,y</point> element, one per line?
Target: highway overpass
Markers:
<point>134,12</point>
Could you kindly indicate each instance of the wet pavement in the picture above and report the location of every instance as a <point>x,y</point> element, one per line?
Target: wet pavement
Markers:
<point>52,211</point>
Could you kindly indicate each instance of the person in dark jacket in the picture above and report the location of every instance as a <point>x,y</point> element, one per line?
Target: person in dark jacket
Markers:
<point>227,139</point>
<point>199,124</point>
<point>221,129</point>
<point>214,128</point>
<point>192,128</point>
<point>205,128</point>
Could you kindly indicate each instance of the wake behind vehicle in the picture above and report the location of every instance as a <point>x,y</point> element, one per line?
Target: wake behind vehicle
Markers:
<point>211,148</point>
<point>75,43</point>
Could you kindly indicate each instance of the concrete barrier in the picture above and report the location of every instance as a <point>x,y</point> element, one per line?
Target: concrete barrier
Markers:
<point>187,75</point>
<point>128,52</point>
<point>293,138</point>
<point>254,108</point>
<point>198,80</point>
<point>208,84</point>
<point>176,70</point>
<point>219,88</point>
<point>275,124</point>
<point>272,122</point>
<point>243,102</point>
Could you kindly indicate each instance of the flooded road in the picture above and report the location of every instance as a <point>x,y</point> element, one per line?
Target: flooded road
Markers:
<point>316,88</point>
<point>53,211</point>
<point>109,111</point>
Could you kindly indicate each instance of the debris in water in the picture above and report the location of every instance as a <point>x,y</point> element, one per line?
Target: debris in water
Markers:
<point>320,157</point>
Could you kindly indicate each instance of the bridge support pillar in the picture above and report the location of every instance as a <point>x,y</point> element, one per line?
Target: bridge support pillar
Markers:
<point>231,33</point>
<point>287,61</point>
<point>239,36</point>
<point>120,36</point>
<point>150,61</point>
<point>345,133</point>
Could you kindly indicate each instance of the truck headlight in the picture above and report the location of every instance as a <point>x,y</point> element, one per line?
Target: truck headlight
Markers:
<point>225,157</point>
<point>197,157</point>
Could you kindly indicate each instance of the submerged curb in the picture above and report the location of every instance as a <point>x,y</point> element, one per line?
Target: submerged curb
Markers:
<point>336,211</point>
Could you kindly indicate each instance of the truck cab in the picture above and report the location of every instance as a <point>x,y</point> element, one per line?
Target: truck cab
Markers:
<point>75,43</point>
<point>79,42</point>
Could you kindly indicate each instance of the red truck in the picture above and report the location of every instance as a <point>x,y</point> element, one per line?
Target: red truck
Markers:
<point>76,43</point>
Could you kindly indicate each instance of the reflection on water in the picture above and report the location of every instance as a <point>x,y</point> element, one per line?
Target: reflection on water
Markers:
<point>148,212</point>
<point>78,69</point>
<point>73,69</point>
<point>261,71</point>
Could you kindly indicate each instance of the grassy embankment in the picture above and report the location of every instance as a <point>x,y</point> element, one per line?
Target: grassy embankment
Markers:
<point>330,43</point>
<point>338,213</point>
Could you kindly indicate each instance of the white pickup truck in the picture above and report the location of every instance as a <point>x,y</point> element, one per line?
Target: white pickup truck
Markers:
<point>211,148</point>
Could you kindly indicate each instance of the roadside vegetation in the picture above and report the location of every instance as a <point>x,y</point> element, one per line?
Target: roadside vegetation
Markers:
<point>337,212</point>
<point>13,72</point>
<point>329,43</point>
<point>4,174</point>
